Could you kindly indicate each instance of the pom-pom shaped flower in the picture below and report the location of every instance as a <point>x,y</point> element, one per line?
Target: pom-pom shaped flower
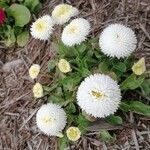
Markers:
<point>2,16</point>
<point>117,41</point>
<point>139,67</point>
<point>37,90</point>
<point>75,32</point>
<point>63,12</point>
<point>42,28</point>
<point>73,133</point>
<point>51,119</point>
<point>99,95</point>
<point>34,71</point>
<point>64,66</point>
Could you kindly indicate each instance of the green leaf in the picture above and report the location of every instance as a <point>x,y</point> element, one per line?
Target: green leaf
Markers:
<point>65,51</point>
<point>98,55</point>
<point>104,66</point>
<point>18,30</point>
<point>51,65</point>
<point>55,99</point>
<point>83,123</point>
<point>70,82</point>
<point>85,72</point>
<point>81,48</point>
<point>23,38</point>
<point>63,143</point>
<point>136,106</point>
<point>114,119</point>
<point>20,13</point>
<point>51,88</point>
<point>129,61</point>
<point>145,87</point>
<point>124,107</point>
<point>71,108</point>
<point>119,66</point>
<point>10,37</point>
<point>106,137</point>
<point>3,4</point>
<point>32,4</point>
<point>132,82</point>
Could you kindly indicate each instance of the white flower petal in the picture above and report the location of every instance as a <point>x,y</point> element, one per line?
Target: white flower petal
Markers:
<point>75,32</point>
<point>63,12</point>
<point>42,28</point>
<point>99,95</point>
<point>51,119</point>
<point>117,41</point>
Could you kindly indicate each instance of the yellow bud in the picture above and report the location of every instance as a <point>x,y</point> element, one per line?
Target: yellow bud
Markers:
<point>64,66</point>
<point>37,90</point>
<point>139,67</point>
<point>34,71</point>
<point>73,133</point>
<point>60,135</point>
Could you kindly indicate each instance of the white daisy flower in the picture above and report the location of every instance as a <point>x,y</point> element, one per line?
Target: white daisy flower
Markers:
<point>75,32</point>
<point>51,119</point>
<point>117,41</point>
<point>63,12</point>
<point>42,28</point>
<point>99,95</point>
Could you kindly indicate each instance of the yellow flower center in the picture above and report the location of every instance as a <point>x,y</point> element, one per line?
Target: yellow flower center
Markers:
<point>48,120</point>
<point>34,70</point>
<point>40,26</point>
<point>65,66</point>
<point>72,29</point>
<point>62,11</point>
<point>98,95</point>
<point>73,133</point>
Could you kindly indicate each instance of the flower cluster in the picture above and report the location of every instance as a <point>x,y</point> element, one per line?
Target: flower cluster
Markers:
<point>80,88</point>
<point>74,33</point>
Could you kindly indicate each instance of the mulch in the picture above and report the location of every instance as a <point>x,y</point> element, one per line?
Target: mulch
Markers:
<point>18,129</point>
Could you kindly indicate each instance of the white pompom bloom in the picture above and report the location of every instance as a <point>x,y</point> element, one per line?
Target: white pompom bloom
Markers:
<point>99,95</point>
<point>75,32</point>
<point>51,119</point>
<point>117,41</point>
<point>42,28</point>
<point>63,12</point>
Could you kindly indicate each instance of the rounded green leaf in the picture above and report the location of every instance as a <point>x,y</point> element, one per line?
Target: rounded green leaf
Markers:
<point>31,4</point>
<point>114,119</point>
<point>22,39</point>
<point>106,137</point>
<point>20,13</point>
<point>10,37</point>
<point>136,107</point>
